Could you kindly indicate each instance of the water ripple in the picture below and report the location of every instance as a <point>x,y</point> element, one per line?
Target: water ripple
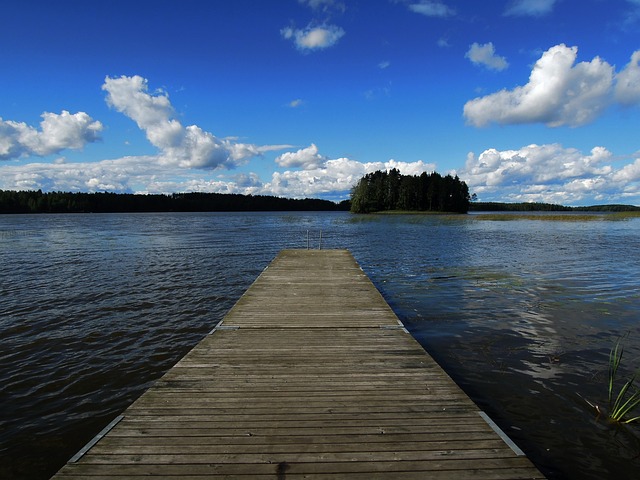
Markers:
<point>96,307</point>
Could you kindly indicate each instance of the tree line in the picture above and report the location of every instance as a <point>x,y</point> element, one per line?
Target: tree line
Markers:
<point>546,207</point>
<point>78,202</point>
<point>383,191</point>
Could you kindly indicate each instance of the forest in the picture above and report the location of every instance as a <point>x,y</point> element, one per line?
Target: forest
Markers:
<point>78,202</point>
<point>385,191</point>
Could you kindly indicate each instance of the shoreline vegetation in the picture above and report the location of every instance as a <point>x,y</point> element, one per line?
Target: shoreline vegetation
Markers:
<point>78,202</point>
<point>547,207</point>
<point>587,217</point>
<point>553,212</point>
<point>36,201</point>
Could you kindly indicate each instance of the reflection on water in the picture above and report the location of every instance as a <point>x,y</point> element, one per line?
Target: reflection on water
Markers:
<point>522,315</point>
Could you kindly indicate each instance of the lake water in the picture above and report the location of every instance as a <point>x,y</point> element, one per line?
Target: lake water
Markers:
<point>522,314</point>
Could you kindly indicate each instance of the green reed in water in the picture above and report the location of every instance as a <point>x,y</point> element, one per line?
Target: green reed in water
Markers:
<point>624,401</point>
<point>628,397</point>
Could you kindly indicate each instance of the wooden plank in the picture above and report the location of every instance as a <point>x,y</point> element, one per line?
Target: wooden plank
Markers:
<point>345,442</point>
<point>310,375</point>
<point>452,468</point>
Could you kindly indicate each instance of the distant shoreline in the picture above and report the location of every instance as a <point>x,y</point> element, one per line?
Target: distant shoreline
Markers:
<point>15,202</point>
<point>547,207</point>
<point>30,201</point>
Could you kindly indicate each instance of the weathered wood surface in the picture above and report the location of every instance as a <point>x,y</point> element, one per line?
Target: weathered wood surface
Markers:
<point>310,375</point>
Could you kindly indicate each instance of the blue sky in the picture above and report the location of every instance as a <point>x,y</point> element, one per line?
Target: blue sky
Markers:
<point>525,100</point>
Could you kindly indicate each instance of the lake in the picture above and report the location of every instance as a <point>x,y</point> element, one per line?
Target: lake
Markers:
<point>522,314</point>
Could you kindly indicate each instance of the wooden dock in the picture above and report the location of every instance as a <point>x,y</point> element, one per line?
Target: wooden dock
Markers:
<point>310,375</point>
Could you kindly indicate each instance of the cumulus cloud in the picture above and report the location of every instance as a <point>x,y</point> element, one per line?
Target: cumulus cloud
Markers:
<point>245,184</point>
<point>485,55</point>
<point>542,173</point>
<point>627,89</point>
<point>431,8</point>
<point>308,172</point>
<point>535,164</point>
<point>187,147</point>
<point>550,173</point>
<point>298,102</point>
<point>558,93</point>
<point>530,7</point>
<point>335,176</point>
<point>108,175</point>
<point>57,132</point>
<point>305,158</point>
<point>313,37</point>
<point>320,175</point>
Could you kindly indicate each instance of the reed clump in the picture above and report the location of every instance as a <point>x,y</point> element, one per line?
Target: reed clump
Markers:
<point>627,399</point>
<point>623,400</point>
<point>623,215</point>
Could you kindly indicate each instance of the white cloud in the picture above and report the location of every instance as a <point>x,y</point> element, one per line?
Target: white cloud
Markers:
<point>111,175</point>
<point>543,173</point>
<point>485,55</point>
<point>313,38</point>
<point>305,158</point>
<point>628,173</point>
<point>57,132</point>
<point>384,64</point>
<point>627,89</point>
<point>431,8</point>
<point>309,173</point>
<point>551,173</point>
<point>530,7</point>
<point>535,164</point>
<point>558,93</point>
<point>405,168</point>
<point>245,184</point>
<point>319,175</point>
<point>298,102</point>
<point>187,147</point>
<point>337,175</point>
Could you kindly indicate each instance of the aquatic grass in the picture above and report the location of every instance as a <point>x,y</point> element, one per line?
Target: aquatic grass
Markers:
<point>623,215</point>
<point>615,357</point>
<point>628,397</point>
<point>624,401</point>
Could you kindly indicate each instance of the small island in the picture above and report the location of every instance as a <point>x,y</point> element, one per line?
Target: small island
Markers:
<point>428,192</point>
